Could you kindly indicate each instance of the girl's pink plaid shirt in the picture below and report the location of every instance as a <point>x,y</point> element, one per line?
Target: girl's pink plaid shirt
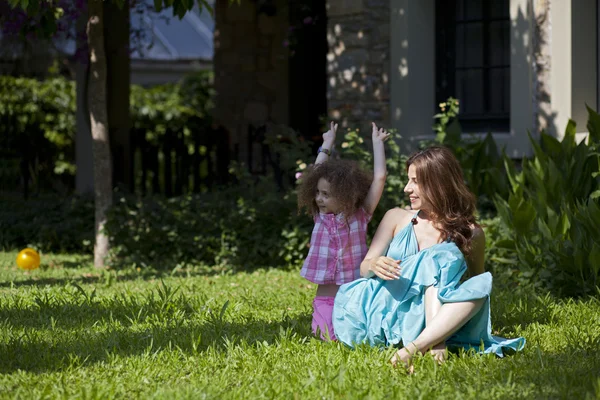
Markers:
<point>336,248</point>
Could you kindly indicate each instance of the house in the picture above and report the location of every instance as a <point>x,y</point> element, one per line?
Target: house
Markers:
<point>515,65</point>
<point>172,48</point>
<point>163,48</point>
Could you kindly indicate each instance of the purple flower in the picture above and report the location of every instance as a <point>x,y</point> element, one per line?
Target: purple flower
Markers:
<point>307,20</point>
<point>286,43</point>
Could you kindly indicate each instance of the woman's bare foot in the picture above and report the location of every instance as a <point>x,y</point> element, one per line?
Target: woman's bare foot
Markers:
<point>439,353</point>
<point>404,356</point>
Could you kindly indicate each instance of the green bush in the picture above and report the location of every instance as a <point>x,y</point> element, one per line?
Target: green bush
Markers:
<point>252,223</point>
<point>240,227</point>
<point>47,222</point>
<point>172,107</point>
<point>553,212</point>
<point>37,123</point>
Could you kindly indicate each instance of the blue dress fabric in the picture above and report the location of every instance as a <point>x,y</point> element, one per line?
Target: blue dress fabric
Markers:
<point>381,312</point>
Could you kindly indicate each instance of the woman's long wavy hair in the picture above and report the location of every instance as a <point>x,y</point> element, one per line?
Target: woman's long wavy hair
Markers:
<point>449,201</point>
<point>349,185</point>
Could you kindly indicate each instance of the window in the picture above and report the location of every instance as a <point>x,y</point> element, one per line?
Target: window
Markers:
<point>473,61</point>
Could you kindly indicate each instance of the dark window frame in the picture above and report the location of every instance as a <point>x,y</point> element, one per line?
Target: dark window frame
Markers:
<point>446,23</point>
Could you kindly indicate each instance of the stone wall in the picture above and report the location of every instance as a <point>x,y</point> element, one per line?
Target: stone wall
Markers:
<point>251,68</point>
<point>251,65</point>
<point>358,35</point>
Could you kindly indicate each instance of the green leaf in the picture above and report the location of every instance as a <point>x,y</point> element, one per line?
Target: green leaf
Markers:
<point>524,217</point>
<point>569,142</point>
<point>594,258</point>
<point>188,4</point>
<point>491,149</point>
<point>505,244</point>
<point>503,210</point>
<point>564,223</point>
<point>552,220</point>
<point>511,172</point>
<point>454,131</point>
<point>537,149</point>
<point>551,146</point>
<point>544,230</point>
<point>593,125</point>
<point>440,137</point>
<point>554,180</point>
<point>223,309</point>
<point>158,5</point>
<point>514,200</point>
<point>206,5</point>
<point>503,260</point>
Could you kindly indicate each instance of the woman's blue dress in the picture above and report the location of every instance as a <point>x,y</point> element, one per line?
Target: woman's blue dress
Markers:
<point>380,312</point>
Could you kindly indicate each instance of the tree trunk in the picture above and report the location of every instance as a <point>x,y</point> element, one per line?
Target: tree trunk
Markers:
<point>118,81</point>
<point>99,125</point>
<point>84,160</point>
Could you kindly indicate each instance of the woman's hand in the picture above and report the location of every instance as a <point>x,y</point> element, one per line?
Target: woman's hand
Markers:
<point>385,267</point>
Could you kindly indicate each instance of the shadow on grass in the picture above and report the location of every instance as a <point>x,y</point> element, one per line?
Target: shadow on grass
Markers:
<point>36,353</point>
<point>86,278</point>
<point>567,374</point>
<point>509,310</point>
<point>102,276</point>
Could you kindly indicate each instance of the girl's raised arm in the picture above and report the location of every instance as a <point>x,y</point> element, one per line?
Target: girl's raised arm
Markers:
<point>328,143</point>
<point>379,170</point>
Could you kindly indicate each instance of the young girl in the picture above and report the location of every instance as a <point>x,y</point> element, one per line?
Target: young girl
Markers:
<point>341,198</point>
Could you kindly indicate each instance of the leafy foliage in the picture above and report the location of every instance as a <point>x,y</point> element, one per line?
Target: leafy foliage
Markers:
<point>553,211</point>
<point>37,123</point>
<point>47,222</point>
<point>175,107</point>
<point>240,227</point>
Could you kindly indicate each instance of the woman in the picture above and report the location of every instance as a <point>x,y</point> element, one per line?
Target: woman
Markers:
<point>411,292</point>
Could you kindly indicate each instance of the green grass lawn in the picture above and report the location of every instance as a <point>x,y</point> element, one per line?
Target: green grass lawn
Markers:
<point>69,331</point>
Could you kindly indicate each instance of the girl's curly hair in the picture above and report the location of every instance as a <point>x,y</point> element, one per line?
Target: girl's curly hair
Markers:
<point>349,185</point>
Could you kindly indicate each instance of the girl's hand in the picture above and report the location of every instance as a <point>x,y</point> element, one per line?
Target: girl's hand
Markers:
<point>386,268</point>
<point>379,135</point>
<point>329,136</point>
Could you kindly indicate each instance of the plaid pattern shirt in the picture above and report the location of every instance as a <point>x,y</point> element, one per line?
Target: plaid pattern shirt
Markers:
<point>336,248</point>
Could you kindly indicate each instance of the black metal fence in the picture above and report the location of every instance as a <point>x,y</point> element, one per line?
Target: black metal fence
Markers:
<point>178,164</point>
<point>172,165</point>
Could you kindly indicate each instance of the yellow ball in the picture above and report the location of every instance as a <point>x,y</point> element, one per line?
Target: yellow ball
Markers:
<point>28,259</point>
